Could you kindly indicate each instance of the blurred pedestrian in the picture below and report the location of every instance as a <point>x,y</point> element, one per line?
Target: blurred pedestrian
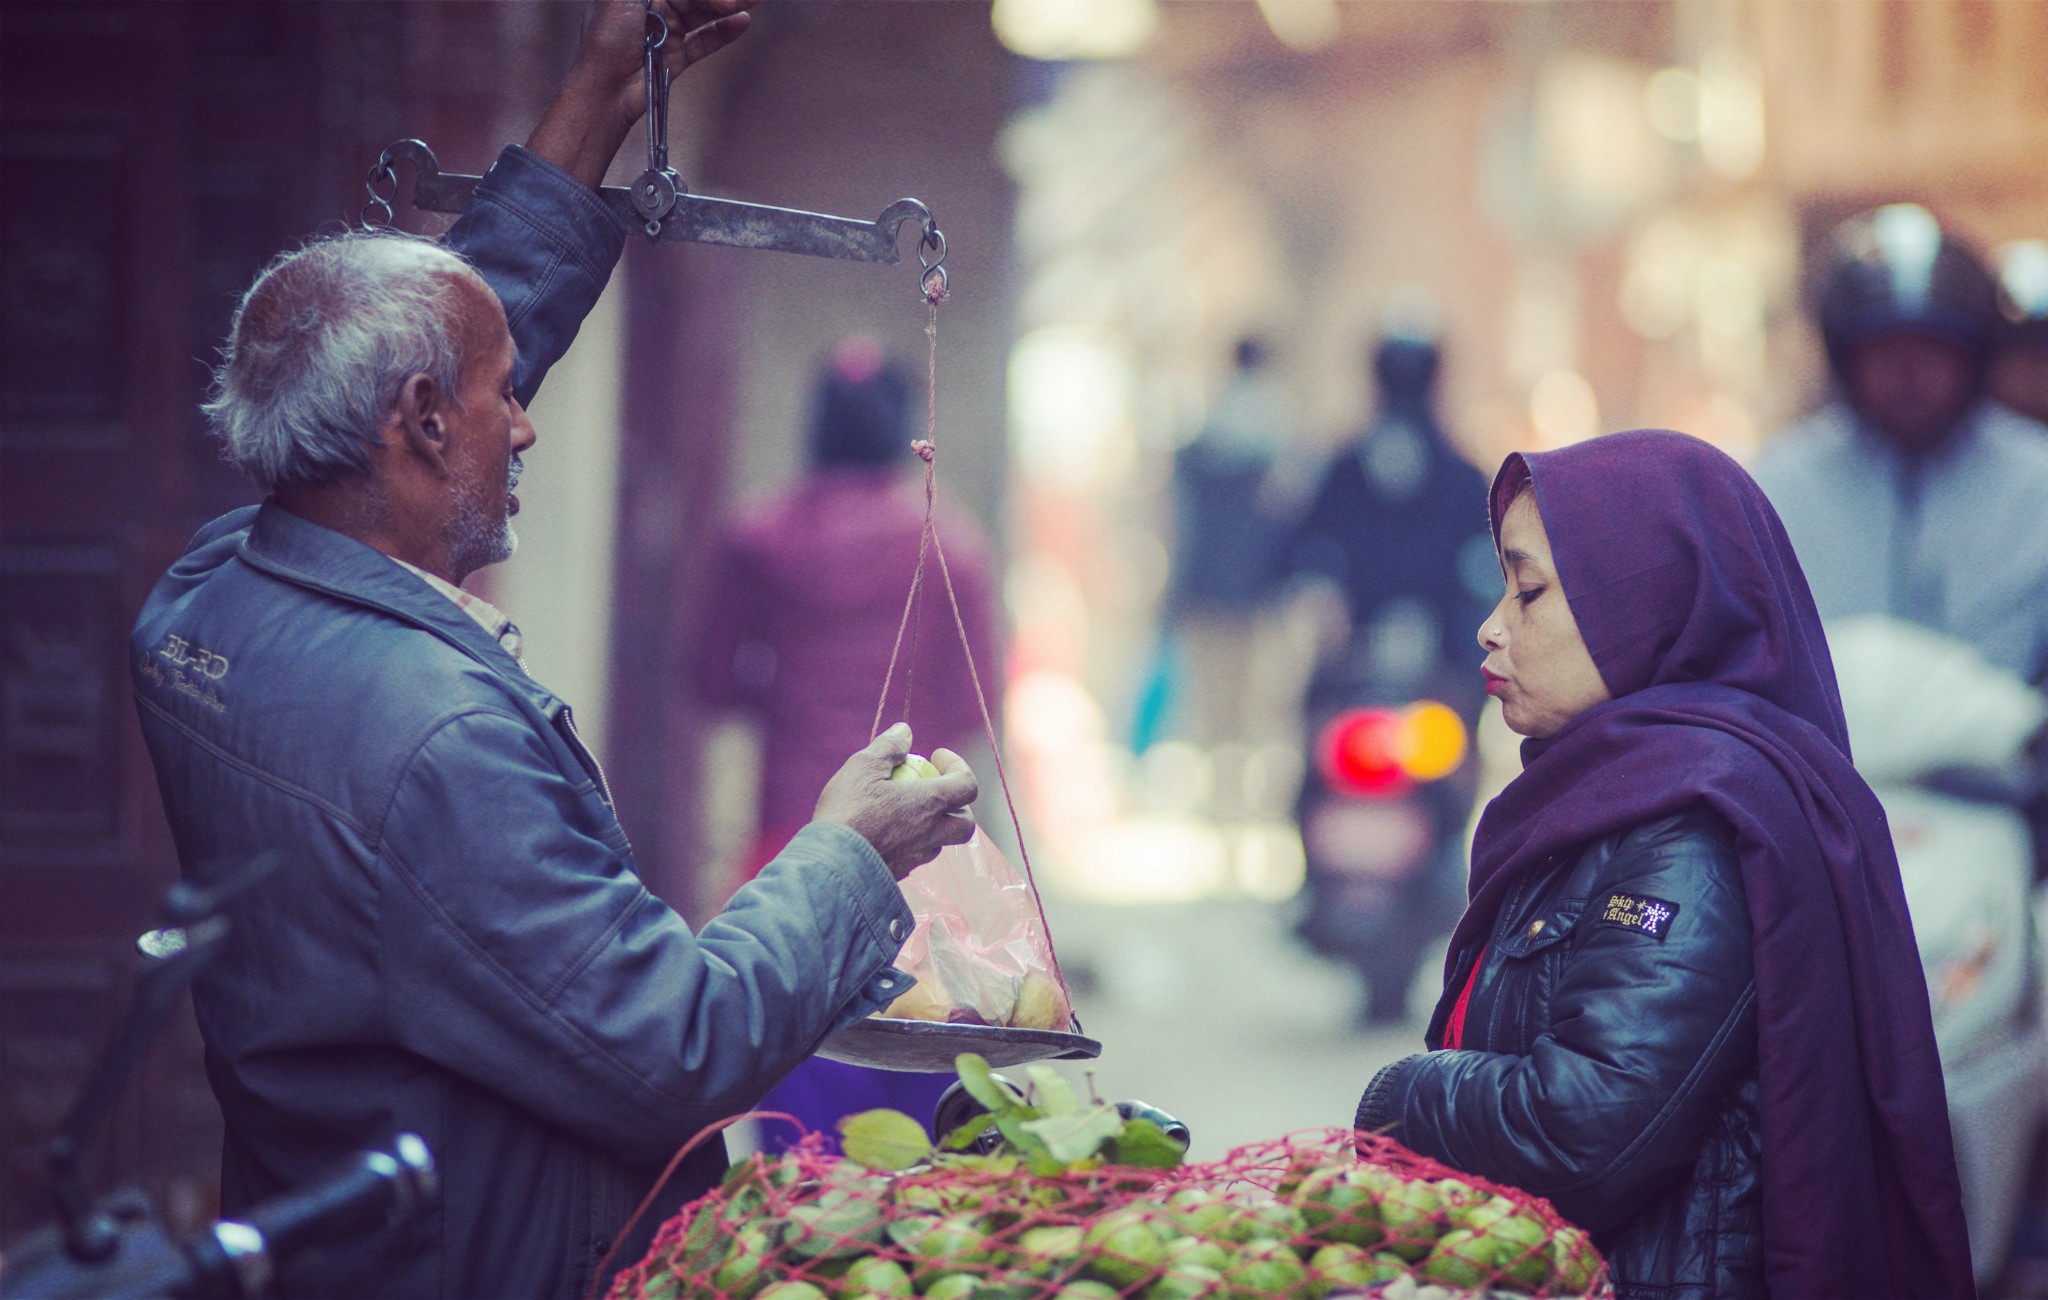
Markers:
<point>1222,583</point>
<point>1397,525</point>
<point>807,595</point>
<point>1684,1003</point>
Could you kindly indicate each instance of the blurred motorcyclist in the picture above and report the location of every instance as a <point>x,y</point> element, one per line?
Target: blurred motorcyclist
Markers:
<point>1398,524</point>
<point>1397,529</point>
<point>1916,501</point>
<point>1912,493</point>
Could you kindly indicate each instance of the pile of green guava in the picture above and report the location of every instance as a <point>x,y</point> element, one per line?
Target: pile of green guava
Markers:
<point>1079,1204</point>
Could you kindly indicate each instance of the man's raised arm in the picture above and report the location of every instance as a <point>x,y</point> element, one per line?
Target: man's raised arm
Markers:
<point>536,230</point>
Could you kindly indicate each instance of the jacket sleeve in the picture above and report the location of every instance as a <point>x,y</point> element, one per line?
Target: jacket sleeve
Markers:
<point>546,244</point>
<point>523,953</point>
<point>1647,1037</point>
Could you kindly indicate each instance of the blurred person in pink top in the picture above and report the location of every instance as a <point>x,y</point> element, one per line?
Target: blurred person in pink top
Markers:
<point>805,605</point>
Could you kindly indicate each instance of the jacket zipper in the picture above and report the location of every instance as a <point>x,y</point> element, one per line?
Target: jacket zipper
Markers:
<point>583,751</point>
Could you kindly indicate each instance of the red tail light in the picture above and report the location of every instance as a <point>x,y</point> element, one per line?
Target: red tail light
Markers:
<point>1380,753</point>
<point>1360,753</point>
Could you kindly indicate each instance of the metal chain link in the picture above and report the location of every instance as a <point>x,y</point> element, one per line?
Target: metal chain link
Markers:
<point>931,278</point>
<point>380,204</point>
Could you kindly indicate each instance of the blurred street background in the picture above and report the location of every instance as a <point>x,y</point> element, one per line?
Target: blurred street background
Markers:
<point>1212,1012</point>
<point>1607,212</point>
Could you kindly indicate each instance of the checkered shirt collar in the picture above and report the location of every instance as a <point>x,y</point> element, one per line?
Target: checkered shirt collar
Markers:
<point>488,616</point>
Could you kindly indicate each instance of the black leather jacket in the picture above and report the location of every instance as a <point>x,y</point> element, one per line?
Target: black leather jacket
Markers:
<point>1609,1059</point>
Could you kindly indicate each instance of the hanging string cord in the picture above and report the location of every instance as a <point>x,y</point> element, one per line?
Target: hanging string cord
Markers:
<point>928,544</point>
<point>931,286</point>
<point>926,448</point>
<point>913,607</point>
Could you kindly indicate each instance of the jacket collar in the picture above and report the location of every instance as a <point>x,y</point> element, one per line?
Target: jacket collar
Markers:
<point>304,553</point>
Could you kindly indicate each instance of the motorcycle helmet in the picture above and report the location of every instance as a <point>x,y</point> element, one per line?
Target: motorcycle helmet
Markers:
<point>1895,270</point>
<point>1405,366</point>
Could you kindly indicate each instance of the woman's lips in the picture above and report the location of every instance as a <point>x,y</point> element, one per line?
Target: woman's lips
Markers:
<point>1495,683</point>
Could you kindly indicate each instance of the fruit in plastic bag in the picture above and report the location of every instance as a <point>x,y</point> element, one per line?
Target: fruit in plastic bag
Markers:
<point>1039,1004</point>
<point>926,1000</point>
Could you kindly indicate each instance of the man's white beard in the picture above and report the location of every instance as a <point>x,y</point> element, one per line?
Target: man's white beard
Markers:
<point>480,531</point>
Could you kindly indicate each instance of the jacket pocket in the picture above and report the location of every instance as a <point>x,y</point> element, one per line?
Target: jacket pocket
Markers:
<point>1530,961</point>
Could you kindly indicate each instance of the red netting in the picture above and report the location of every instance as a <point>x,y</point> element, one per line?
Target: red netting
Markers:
<point>1318,1214</point>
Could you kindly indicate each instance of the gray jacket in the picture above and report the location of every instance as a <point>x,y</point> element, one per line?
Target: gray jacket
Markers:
<point>1954,538</point>
<point>455,943</point>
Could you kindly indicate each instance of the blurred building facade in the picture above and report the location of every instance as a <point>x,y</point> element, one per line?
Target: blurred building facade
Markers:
<point>154,156</point>
<point>1609,203</point>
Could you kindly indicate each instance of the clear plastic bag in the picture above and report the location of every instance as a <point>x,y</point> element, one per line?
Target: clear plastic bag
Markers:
<point>980,951</point>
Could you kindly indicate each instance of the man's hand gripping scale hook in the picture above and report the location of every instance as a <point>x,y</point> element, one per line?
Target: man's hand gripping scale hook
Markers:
<point>654,193</point>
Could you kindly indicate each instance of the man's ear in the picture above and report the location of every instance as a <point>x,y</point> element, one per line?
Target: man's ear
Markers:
<point>421,416</point>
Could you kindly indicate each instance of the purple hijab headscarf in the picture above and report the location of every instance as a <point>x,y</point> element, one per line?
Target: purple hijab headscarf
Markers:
<point>1699,619</point>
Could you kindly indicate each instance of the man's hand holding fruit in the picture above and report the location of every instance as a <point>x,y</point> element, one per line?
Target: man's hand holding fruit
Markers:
<point>907,821</point>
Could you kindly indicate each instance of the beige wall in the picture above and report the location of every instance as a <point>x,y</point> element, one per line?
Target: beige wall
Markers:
<point>558,586</point>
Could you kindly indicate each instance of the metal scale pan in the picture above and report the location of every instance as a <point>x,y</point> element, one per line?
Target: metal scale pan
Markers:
<point>883,1043</point>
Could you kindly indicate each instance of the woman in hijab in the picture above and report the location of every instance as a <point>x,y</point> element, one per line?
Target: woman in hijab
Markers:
<point>1684,1002</point>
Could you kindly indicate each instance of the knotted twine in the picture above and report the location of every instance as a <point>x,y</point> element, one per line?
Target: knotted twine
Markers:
<point>928,544</point>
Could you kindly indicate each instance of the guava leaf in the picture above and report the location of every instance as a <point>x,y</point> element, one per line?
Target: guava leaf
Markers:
<point>1076,1136</point>
<point>982,1084</point>
<point>884,1139</point>
<point>1015,1126</point>
<point>963,1137</point>
<point>1055,1095</point>
<point>1144,1145</point>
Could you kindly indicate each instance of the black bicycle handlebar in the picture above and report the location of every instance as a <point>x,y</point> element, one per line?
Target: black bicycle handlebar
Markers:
<point>235,1259</point>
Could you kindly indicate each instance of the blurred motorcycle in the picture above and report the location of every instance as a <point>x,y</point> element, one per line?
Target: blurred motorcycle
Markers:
<point>1395,535</point>
<point>1382,813</point>
<point>1942,736</point>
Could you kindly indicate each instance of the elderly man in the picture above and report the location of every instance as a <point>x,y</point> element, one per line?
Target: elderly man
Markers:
<point>456,944</point>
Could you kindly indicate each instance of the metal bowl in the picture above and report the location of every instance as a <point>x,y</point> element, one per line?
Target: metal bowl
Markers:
<point>887,1044</point>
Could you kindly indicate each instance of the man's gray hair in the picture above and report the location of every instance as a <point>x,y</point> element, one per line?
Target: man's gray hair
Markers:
<point>319,347</point>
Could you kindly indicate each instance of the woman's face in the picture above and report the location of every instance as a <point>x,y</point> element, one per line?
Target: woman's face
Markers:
<point>1536,661</point>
